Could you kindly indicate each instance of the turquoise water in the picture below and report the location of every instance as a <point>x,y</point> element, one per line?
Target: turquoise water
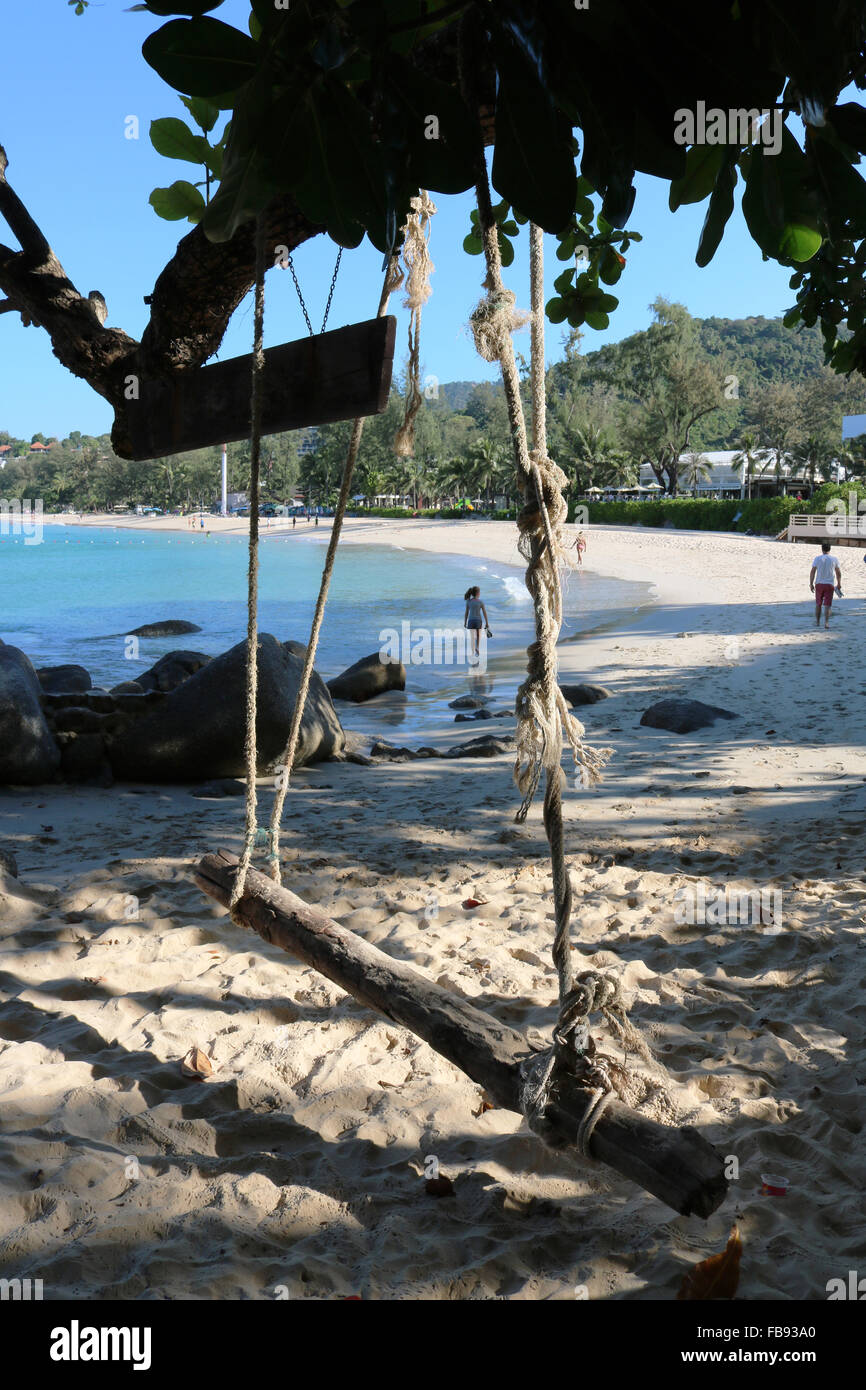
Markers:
<point>74,596</point>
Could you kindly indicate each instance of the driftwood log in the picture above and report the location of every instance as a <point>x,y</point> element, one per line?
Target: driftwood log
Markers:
<point>676,1165</point>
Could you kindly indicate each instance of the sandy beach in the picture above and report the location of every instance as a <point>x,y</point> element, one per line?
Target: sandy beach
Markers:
<point>298,1164</point>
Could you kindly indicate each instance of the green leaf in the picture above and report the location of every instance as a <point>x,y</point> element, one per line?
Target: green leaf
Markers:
<point>611,266</point>
<point>849,122</point>
<point>562,283</point>
<point>555,310</point>
<point>433,124</point>
<point>533,165</point>
<point>799,243</point>
<point>202,57</point>
<point>243,192</point>
<point>845,188</point>
<point>597,319</point>
<point>780,203</point>
<point>179,200</point>
<point>174,139</point>
<point>473,245</point>
<point>720,208</point>
<point>345,185</point>
<point>703,163</point>
<point>186,7</point>
<point>204,113</point>
<point>506,250</point>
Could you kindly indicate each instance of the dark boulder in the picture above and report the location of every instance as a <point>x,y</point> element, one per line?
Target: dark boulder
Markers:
<point>84,760</point>
<point>172,670</point>
<point>79,720</point>
<point>476,714</point>
<point>219,787</point>
<point>367,678</point>
<point>56,679</point>
<point>28,752</point>
<point>487,746</point>
<point>585,694</point>
<point>684,716</point>
<point>197,732</point>
<point>172,627</point>
<point>127,688</point>
<point>469,702</point>
<point>393,753</point>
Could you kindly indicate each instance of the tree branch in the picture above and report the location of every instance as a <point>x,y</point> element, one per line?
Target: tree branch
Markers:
<point>37,286</point>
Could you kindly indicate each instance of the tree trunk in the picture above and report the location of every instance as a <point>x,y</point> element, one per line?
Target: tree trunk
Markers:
<point>676,1165</point>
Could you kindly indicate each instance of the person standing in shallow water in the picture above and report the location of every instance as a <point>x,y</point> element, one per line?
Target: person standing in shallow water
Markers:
<point>475,617</point>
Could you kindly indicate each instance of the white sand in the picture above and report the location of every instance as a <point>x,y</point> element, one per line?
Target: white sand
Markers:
<point>298,1162</point>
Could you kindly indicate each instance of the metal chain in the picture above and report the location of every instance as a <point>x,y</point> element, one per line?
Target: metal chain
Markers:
<point>331,290</point>
<point>330,293</point>
<point>300,297</point>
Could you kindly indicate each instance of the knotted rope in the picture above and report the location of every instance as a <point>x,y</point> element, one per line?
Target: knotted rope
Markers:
<point>418,269</point>
<point>574,1055</point>
<point>542,712</point>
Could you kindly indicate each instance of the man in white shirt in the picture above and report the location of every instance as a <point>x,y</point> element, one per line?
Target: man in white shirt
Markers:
<point>823,576</point>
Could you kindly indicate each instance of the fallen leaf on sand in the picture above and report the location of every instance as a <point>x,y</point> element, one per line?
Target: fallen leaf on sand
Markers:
<point>197,1063</point>
<point>483,1107</point>
<point>439,1187</point>
<point>718,1275</point>
<point>474,902</point>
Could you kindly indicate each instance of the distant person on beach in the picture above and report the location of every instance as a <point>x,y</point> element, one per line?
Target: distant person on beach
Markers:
<point>580,546</point>
<point>825,572</point>
<point>475,616</point>
<point>294,522</point>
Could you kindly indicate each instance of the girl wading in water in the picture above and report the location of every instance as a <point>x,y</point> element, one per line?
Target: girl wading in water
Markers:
<point>475,617</point>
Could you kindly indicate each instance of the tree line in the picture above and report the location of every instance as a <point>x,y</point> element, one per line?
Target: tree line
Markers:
<point>663,396</point>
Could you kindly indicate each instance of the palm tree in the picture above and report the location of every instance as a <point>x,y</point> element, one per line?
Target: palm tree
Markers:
<point>593,450</point>
<point>452,479</point>
<point>749,454</point>
<point>487,462</point>
<point>696,469</point>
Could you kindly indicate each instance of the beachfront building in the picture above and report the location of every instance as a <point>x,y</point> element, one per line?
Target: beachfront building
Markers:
<point>722,473</point>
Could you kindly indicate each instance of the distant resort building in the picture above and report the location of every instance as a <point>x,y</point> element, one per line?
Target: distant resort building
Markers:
<point>722,473</point>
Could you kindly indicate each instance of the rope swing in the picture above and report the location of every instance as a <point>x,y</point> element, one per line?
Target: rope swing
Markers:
<point>418,266</point>
<point>543,716</point>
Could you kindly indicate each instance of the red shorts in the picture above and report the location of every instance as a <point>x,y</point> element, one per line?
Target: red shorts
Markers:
<point>823,595</point>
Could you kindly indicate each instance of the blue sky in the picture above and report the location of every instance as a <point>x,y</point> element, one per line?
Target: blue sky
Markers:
<point>69,84</point>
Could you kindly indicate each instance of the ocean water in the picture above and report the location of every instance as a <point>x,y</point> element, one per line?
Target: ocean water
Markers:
<point>74,597</point>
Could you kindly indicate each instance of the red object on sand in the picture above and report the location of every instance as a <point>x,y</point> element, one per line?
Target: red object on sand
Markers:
<point>773,1186</point>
